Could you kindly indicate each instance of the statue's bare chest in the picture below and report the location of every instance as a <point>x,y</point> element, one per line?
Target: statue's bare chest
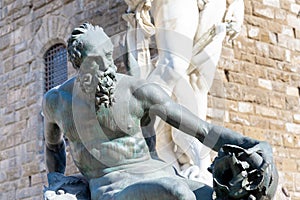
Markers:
<point>111,122</point>
<point>119,119</point>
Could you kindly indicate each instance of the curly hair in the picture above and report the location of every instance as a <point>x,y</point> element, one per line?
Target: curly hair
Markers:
<point>76,45</point>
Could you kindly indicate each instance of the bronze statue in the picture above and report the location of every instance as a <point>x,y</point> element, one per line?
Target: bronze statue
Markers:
<point>108,119</point>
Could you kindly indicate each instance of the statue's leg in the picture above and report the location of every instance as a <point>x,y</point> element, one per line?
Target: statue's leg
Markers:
<point>161,184</point>
<point>176,23</point>
<point>167,189</point>
<point>163,188</point>
<point>206,62</point>
<point>203,65</point>
<point>201,191</point>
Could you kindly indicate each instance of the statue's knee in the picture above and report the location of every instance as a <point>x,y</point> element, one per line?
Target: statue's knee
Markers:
<point>164,188</point>
<point>99,191</point>
<point>178,189</point>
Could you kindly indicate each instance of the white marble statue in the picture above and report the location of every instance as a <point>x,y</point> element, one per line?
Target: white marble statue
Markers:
<point>189,36</point>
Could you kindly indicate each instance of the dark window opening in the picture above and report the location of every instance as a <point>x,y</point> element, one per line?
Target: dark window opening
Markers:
<point>227,75</point>
<point>56,71</point>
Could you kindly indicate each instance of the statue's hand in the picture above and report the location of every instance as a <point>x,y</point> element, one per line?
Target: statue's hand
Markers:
<point>59,195</point>
<point>66,187</point>
<point>234,18</point>
<point>244,173</point>
<point>267,166</point>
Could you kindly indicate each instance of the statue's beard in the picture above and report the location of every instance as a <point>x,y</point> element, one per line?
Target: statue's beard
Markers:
<point>105,88</point>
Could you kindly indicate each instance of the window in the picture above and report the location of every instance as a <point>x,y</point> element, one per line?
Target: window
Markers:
<point>56,71</point>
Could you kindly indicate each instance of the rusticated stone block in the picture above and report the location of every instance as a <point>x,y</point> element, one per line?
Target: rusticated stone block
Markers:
<point>236,78</point>
<point>275,139</point>
<point>31,168</point>
<point>265,84</point>
<point>255,95</point>
<point>236,127</point>
<point>251,81</point>
<point>261,10</point>
<point>277,75</point>
<point>5,41</point>
<point>265,111</point>
<point>259,122</point>
<point>281,152</point>
<point>245,107</point>
<point>293,21</point>
<point>239,119</point>
<point>277,125</point>
<point>290,140</point>
<point>273,3</point>
<point>280,16</point>
<point>253,70</point>
<point>13,173</point>
<point>274,26</point>
<point>285,5</point>
<point>257,133</point>
<point>296,118</point>
<point>294,154</point>
<point>253,32</point>
<point>289,165</point>
<point>292,103</point>
<point>293,128</point>
<point>277,101</point>
<point>292,91</point>
<point>297,33</point>
<point>277,53</point>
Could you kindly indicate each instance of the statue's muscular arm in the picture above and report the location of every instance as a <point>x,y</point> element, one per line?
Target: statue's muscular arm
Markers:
<point>158,103</point>
<point>54,142</point>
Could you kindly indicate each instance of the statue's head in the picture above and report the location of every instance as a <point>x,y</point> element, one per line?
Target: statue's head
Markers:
<point>90,41</point>
<point>90,51</point>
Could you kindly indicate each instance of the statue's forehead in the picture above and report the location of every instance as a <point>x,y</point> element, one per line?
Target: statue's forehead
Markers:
<point>97,40</point>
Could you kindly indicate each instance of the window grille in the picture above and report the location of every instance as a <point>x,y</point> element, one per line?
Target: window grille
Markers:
<point>56,71</point>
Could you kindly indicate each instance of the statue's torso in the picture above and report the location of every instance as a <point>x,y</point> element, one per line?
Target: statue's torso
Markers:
<point>108,146</point>
<point>105,140</point>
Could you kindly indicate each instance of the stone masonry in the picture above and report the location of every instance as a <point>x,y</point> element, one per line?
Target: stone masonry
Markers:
<point>256,90</point>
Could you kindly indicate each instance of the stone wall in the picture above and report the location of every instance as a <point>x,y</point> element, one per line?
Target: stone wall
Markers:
<point>260,76</point>
<point>256,91</point>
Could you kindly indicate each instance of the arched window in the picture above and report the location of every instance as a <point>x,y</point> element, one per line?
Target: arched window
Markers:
<point>56,71</point>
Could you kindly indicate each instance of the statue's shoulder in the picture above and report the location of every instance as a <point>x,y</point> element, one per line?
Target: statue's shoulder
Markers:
<point>50,102</point>
<point>131,82</point>
<point>52,97</point>
<point>142,89</point>
<point>67,86</point>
